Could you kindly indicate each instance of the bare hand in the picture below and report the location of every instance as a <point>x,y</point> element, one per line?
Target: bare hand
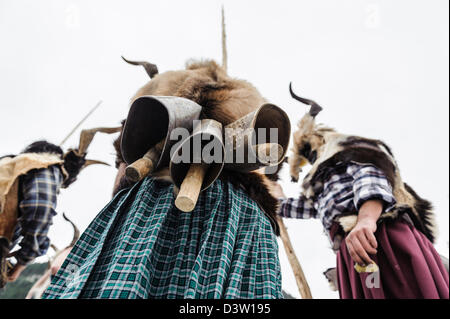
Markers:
<point>361,242</point>
<point>15,272</point>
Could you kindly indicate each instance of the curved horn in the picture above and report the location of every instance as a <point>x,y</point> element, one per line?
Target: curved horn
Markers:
<point>93,162</point>
<point>315,108</point>
<point>76,231</point>
<point>53,246</point>
<point>87,136</point>
<point>151,68</point>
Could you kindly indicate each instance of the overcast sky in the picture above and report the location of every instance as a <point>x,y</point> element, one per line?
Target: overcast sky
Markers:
<point>379,69</point>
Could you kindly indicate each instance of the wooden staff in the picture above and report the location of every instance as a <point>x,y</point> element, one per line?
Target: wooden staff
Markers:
<point>79,123</point>
<point>300,278</point>
<point>145,165</point>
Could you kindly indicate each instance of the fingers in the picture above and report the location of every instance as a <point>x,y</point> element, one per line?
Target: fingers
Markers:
<point>361,243</point>
<point>365,243</point>
<point>361,252</point>
<point>371,238</point>
<point>353,253</point>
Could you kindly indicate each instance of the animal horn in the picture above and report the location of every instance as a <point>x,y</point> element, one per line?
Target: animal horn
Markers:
<point>87,136</point>
<point>150,68</point>
<point>315,108</point>
<point>50,259</point>
<point>76,231</point>
<point>53,246</point>
<point>93,162</point>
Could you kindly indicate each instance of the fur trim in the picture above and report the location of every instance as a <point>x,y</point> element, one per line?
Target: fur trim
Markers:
<point>116,144</point>
<point>348,222</point>
<point>13,168</point>
<point>331,275</point>
<point>43,147</point>
<point>427,219</point>
<point>73,164</point>
<point>223,99</point>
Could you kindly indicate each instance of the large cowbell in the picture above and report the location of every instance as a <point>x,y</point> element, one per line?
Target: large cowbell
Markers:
<point>248,138</point>
<point>150,121</point>
<point>204,146</point>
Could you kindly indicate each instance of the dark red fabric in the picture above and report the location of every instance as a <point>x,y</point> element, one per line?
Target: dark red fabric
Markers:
<point>410,267</point>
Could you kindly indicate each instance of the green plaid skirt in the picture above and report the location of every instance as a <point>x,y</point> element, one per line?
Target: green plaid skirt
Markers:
<point>141,246</point>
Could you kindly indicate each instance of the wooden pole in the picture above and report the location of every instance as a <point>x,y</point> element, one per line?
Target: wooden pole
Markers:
<point>224,43</point>
<point>145,165</point>
<point>300,278</point>
<point>190,188</point>
<point>79,123</point>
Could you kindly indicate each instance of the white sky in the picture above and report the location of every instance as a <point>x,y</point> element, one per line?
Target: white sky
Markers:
<point>378,67</point>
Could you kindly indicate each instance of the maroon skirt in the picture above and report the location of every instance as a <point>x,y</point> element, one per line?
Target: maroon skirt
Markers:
<point>409,267</point>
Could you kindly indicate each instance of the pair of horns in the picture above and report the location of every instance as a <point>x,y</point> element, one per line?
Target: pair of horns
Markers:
<point>315,108</point>
<point>150,68</point>
<point>86,138</point>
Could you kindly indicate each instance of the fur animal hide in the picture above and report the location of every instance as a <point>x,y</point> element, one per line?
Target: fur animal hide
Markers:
<point>339,148</point>
<point>325,149</point>
<point>331,276</point>
<point>13,168</point>
<point>223,99</point>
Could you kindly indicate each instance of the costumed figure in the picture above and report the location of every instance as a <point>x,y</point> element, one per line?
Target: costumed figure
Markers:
<point>155,239</point>
<point>382,231</point>
<point>29,185</point>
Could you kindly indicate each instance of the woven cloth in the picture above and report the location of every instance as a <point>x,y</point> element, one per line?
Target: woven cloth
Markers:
<point>409,267</point>
<point>141,246</point>
<point>348,187</point>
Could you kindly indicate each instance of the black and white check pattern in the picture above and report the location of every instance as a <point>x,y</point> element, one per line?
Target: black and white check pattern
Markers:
<point>39,189</point>
<point>345,191</point>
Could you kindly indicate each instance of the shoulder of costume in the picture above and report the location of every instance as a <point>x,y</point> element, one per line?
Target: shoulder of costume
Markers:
<point>13,167</point>
<point>340,149</point>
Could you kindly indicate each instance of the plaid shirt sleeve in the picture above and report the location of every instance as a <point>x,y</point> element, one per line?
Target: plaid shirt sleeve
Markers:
<point>37,207</point>
<point>301,208</point>
<point>370,183</point>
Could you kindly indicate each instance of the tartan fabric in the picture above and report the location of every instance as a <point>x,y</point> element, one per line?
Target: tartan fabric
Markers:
<point>39,190</point>
<point>347,189</point>
<point>141,246</point>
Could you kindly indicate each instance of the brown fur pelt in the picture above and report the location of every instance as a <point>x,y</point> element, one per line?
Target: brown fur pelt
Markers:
<point>223,99</point>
